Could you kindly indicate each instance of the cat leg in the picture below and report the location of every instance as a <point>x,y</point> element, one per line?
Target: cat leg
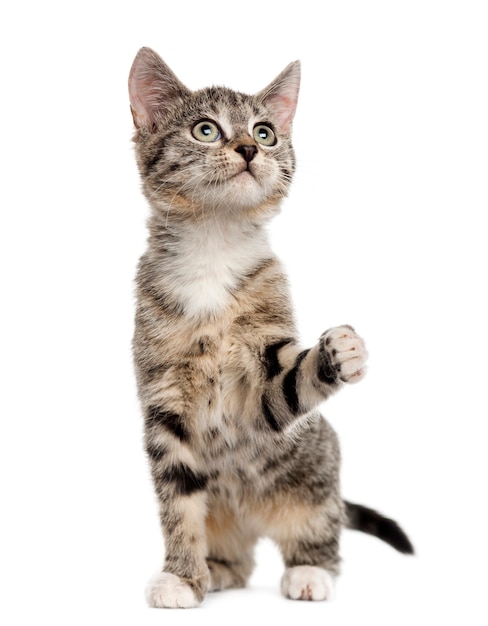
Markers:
<point>183,506</point>
<point>308,538</point>
<point>297,381</point>
<point>184,579</point>
<point>230,551</point>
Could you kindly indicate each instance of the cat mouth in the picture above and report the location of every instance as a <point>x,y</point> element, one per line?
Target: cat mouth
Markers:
<point>243,174</point>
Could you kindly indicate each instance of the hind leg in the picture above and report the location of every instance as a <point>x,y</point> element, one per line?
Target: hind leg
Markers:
<point>230,544</point>
<point>308,537</point>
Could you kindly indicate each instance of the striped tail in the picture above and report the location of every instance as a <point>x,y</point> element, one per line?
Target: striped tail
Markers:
<point>368,521</point>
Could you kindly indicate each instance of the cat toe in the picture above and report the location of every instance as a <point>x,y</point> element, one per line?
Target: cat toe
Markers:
<point>344,353</point>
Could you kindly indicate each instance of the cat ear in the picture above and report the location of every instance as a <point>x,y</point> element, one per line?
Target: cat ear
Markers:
<point>153,88</point>
<point>281,95</point>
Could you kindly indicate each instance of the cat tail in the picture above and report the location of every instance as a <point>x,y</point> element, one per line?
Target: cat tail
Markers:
<point>373,523</point>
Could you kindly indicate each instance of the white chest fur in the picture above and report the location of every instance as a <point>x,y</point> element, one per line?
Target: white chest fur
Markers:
<point>210,261</point>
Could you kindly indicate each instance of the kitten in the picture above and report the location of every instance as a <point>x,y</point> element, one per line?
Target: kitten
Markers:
<point>236,445</point>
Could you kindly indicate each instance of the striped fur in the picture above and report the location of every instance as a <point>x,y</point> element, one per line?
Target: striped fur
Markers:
<point>236,446</point>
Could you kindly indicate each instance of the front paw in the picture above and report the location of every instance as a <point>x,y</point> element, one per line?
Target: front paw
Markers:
<point>306,582</point>
<point>342,356</point>
<point>166,590</point>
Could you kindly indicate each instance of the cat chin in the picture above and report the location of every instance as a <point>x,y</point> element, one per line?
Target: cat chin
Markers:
<point>244,177</point>
<point>241,193</point>
<point>246,191</point>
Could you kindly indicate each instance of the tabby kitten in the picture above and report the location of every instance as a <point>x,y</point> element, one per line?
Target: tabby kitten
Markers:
<point>236,445</point>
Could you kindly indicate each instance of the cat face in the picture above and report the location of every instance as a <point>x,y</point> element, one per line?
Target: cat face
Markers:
<point>213,150</point>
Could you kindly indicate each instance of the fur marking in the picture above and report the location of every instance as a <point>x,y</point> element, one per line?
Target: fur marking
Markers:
<point>185,480</point>
<point>290,384</point>
<point>271,361</point>
<point>327,373</point>
<point>269,416</point>
<point>172,422</point>
<point>156,453</point>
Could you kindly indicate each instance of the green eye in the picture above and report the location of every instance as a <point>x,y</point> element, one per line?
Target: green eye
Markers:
<point>264,135</point>
<point>206,131</point>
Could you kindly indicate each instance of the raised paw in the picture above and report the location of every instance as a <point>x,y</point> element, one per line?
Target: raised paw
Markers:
<point>306,582</point>
<point>166,590</point>
<point>342,355</point>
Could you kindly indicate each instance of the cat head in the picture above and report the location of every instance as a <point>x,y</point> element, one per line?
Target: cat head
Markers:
<point>213,150</point>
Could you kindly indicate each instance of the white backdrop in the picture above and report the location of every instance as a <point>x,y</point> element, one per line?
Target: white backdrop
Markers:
<point>387,215</point>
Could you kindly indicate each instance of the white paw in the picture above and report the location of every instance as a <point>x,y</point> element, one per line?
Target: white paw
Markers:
<point>343,354</point>
<point>306,582</point>
<point>169,591</point>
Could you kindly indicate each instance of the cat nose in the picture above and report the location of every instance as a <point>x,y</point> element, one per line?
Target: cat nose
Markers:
<point>247,152</point>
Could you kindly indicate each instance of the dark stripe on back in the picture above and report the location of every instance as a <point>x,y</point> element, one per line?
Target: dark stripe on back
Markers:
<point>185,480</point>
<point>290,384</point>
<point>172,422</point>
<point>269,416</point>
<point>271,361</point>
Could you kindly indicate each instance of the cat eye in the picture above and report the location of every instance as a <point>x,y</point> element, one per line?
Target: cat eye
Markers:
<point>264,135</point>
<point>206,131</point>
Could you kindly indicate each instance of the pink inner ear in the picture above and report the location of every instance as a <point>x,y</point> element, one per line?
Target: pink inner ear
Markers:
<point>140,115</point>
<point>139,94</point>
<point>284,109</point>
<point>152,88</point>
<point>281,95</point>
